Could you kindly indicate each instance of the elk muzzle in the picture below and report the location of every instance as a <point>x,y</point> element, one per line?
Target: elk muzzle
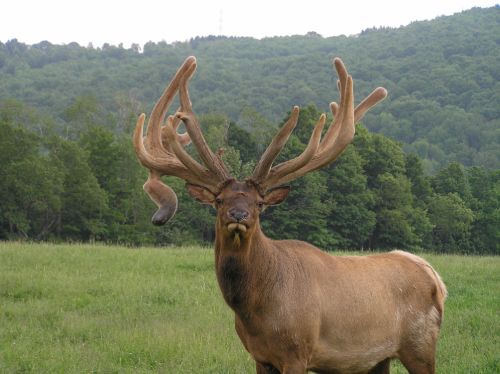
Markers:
<point>238,215</point>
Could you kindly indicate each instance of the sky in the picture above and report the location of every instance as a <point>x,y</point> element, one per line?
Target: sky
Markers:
<point>128,22</point>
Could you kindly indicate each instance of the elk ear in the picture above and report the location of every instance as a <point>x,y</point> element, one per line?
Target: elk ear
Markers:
<point>200,193</point>
<point>276,195</point>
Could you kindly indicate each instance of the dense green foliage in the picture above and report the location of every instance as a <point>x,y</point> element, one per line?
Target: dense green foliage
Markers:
<point>443,78</point>
<point>375,196</point>
<point>97,309</point>
<point>68,172</point>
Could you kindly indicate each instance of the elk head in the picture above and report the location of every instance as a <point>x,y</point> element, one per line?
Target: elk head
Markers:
<point>238,203</point>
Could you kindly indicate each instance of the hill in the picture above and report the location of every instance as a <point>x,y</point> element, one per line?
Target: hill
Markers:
<point>443,78</point>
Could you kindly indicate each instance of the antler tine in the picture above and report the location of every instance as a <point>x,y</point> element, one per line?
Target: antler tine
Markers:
<point>371,100</point>
<point>191,164</point>
<point>165,163</point>
<point>153,131</point>
<point>274,148</point>
<point>376,96</point>
<point>279,171</point>
<point>183,138</point>
<point>339,134</point>
<point>212,161</point>
<point>163,196</point>
<point>334,128</point>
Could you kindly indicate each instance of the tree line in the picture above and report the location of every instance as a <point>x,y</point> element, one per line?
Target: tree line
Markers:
<point>86,185</point>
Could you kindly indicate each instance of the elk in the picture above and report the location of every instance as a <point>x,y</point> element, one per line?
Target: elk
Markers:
<point>297,308</point>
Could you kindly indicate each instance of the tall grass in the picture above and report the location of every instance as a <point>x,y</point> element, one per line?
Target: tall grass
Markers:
<point>84,309</point>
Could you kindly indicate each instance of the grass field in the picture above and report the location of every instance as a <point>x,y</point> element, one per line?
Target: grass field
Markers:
<point>100,309</point>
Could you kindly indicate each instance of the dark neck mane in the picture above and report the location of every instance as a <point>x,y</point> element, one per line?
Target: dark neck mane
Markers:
<point>242,264</point>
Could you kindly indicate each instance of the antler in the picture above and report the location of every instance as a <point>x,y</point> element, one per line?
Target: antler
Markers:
<point>319,152</point>
<point>162,149</point>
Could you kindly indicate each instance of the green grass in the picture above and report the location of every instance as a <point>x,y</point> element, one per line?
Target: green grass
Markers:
<point>84,309</point>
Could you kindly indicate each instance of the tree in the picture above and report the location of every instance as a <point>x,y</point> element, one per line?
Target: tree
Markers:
<point>103,156</point>
<point>393,230</point>
<point>242,140</point>
<point>380,154</point>
<point>83,113</point>
<point>485,190</point>
<point>84,203</point>
<point>351,220</point>
<point>452,222</point>
<point>120,177</point>
<point>400,223</point>
<point>215,130</point>
<point>452,179</point>
<point>420,185</point>
<point>303,215</point>
<point>30,185</point>
<point>394,210</point>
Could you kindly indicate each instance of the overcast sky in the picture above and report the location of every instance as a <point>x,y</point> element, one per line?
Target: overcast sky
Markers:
<point>127,22</point>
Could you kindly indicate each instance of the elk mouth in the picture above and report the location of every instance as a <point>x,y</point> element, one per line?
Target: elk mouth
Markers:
<point>236,227</point>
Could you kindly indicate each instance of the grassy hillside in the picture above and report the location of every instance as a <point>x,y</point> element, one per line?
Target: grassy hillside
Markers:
<point>83,308</point>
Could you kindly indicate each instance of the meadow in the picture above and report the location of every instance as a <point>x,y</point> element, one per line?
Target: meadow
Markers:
<point>109,309</point>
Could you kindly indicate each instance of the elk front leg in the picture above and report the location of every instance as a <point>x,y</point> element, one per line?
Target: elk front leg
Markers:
<point>383,367</point>
<point>266,369</point>
<point>295,368</point>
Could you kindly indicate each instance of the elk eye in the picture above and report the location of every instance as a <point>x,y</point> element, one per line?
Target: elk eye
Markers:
<point>260,204</point>
<point>219,201</point>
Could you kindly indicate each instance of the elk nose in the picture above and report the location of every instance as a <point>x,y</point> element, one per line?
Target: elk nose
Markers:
<point>238,214</point>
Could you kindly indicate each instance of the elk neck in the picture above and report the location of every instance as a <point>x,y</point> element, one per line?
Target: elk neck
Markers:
<point>243,266</point>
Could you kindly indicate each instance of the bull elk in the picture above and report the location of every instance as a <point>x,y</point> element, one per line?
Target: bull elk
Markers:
<point>296,308</point>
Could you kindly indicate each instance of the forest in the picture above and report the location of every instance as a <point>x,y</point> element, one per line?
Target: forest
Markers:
<point>423,170</point>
